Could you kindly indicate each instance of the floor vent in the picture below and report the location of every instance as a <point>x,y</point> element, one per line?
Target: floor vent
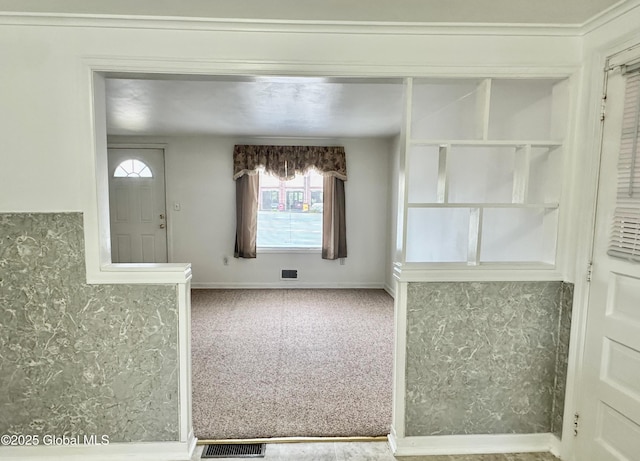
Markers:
<point>289,274</point>
<point>234,450</point>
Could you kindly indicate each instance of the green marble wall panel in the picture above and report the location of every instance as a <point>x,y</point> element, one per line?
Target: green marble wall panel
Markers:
<point>81,359</point>
<point>482,357</point>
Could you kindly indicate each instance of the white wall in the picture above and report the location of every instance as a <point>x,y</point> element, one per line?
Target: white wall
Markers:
<point>47,142</point>
<point>198,174</point>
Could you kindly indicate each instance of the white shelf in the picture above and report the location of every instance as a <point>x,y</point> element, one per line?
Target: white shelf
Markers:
<point>483,164</point>
<point>487,266</point>
<point>486,143</point>
<point>550,206</point>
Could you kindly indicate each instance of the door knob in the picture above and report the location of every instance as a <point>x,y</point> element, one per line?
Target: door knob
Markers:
<point>162,226</point>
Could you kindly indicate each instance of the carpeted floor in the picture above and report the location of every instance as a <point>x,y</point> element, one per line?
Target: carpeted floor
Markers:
<point>286,363</point>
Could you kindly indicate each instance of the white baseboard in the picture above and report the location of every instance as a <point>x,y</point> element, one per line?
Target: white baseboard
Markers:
<point>472,444</point>
<point>390,290</point>
<point>556,446</point>
<point>285,284</point>
<point>151,451</point>
<point>192,442</point>
<point>393,440</point>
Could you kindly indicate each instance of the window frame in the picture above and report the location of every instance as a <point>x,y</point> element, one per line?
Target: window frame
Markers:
<point>133,174</point>
<point>624,239</point>
<point>290,249</point>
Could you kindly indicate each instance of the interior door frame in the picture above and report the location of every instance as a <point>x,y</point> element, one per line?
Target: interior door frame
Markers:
<point>593,126</point>
<point>97,68</point>
<point>163,147</point>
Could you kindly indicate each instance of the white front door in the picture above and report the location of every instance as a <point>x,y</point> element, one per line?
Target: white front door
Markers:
<point>137,206</point>
<point>610,406</point>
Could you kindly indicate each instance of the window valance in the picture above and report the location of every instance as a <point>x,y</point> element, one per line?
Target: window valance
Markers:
<point>287,161</point>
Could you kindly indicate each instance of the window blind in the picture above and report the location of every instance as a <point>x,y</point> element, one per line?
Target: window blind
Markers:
<point>625,232</point>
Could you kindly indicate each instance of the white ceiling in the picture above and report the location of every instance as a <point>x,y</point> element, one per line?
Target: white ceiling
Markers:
<point>292,106</point>
<point>574,12</point>
<point>283,107</point>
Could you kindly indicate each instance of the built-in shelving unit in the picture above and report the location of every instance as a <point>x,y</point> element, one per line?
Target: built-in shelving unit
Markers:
<point>483,160</point>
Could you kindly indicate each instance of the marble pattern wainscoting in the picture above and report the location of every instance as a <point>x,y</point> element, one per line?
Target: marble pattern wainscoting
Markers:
<point>80,359</point>
<point>564,333</point>
<point>483,357</point>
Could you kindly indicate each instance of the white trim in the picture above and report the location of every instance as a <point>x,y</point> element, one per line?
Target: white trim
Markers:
<point>443,273</point>
<point>556,446</point>
<point>110,273</point>
<point>184,362</point>
<point>317,26</point>
<point>317,68</point>
<point>610,14</point>
<point>152,451</point>
<point>403,167</point>
<point>393,440</point>
<point>136,145</point>
<point>565,243</point>
<point>95,219</point>
<point>472,444</point>
<point>286,284</point>
<point>133,273</point>
<point>287,26</point>
<point>399,362</point>
<point>486,142</point>
<point>581,229</point>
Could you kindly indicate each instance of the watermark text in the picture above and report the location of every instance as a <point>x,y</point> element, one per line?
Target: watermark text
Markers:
<point>15,440</point>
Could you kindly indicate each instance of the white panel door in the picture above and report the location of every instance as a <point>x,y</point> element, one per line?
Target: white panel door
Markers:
<point>610,407</point>
<point>137,206</point>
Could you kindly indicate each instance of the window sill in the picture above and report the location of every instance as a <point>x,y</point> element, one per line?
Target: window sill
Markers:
<point>262,250</point>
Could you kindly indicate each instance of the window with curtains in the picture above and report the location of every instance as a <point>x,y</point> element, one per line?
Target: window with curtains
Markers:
<point>625,232</point>
<point>303,196</point>
<point>290,212</point>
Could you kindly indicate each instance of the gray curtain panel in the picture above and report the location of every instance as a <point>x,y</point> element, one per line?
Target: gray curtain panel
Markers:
<point>246,215</point>
<point>334,226</point>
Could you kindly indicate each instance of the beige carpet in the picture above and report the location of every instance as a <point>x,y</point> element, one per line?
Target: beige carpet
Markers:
<point>286,363</point>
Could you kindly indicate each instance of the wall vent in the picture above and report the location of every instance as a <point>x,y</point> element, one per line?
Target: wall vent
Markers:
<point>289,274</point>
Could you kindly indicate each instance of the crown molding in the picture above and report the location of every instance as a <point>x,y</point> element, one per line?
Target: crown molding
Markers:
<point>286,26</point>
<point>610,14</point>
<point>315,26</point>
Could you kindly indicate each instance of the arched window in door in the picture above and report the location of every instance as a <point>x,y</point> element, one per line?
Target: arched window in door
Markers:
<point>132,168</point>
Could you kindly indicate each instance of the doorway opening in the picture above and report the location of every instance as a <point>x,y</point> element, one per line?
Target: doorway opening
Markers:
<point>199,119</point>
<point>610,399</point>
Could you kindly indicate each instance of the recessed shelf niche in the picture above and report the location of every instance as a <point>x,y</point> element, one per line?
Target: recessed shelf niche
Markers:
<point>483,174</point>
<point>446,226</point>
<point>483,170</point>
<point>447,109</point>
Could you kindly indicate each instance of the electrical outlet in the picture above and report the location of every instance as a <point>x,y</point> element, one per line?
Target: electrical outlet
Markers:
<point>225,260</point>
